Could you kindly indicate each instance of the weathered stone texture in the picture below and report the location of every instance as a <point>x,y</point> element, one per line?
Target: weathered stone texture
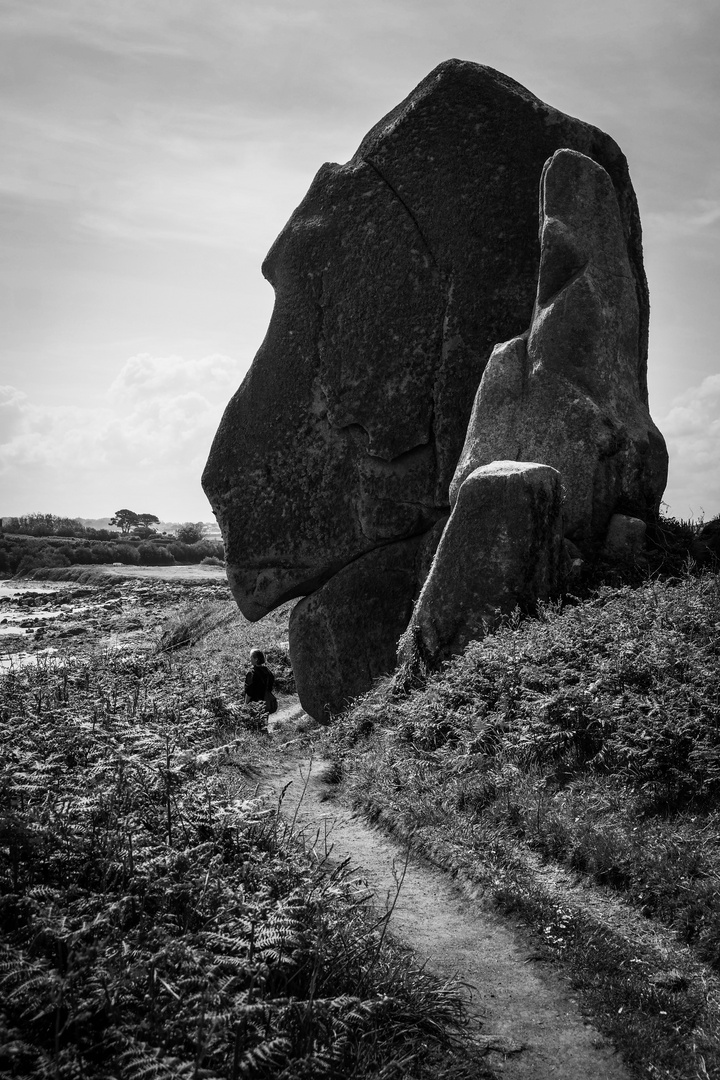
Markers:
<point>625,539</point>
<point>571,391</point>
<point>393,280</point>
<point>502,548</point>
<point>334,650</point>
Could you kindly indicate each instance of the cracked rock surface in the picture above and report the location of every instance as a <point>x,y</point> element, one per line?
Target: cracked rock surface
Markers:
<point>571,391</point>
<point>394,279</point>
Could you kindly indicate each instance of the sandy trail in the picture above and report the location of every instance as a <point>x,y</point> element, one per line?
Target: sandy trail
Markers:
<point>525,1017</point>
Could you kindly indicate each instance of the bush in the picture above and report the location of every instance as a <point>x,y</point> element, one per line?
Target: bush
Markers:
<point>195,553</point>
<point>125,553</point>
<point>154,554</point>
<point>41,557</point>
<point>190,532</point>
<point>101,554</point>
<point>671,543</point>
<point>210,548</point>
<point>82,555</point>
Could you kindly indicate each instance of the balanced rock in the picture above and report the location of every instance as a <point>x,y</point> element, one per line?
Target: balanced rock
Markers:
<point>394,278</point>
<point>501,549</point>
<point>571,392</point>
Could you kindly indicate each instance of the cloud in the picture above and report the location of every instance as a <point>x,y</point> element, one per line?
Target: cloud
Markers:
<point>144,376</point>
<point>692,430</point>
<point>150,436</point>
<point>12,406</point>
<point>695,219</point>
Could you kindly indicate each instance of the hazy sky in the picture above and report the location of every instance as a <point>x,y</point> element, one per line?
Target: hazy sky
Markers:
<point>153,149</point>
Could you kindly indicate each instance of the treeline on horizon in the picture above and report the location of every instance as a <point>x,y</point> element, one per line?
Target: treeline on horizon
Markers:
<point>55,525</point>
<point>38,541</point>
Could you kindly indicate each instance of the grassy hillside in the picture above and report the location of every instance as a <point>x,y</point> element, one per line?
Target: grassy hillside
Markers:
<point>587,740</point>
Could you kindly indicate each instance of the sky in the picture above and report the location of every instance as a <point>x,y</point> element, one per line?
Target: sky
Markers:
<point>153,149</point>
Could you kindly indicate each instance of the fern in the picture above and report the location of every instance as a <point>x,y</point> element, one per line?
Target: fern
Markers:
<point>150,925</point>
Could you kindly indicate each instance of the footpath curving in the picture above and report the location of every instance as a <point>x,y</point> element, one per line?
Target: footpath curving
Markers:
<point>523,1016</point>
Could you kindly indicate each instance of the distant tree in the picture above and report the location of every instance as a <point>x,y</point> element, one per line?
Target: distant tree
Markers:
<point>125,520</point>
<point>191,532</point>
<point>142,527</point>
<point>147,520</point>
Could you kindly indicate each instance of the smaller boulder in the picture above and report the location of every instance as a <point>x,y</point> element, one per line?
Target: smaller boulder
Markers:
<point>625,539</point>
<point>502,548</point>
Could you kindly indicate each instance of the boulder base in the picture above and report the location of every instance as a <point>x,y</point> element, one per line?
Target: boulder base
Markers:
<point>334,651</point>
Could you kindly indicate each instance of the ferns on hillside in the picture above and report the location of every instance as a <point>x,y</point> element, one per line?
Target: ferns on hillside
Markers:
<point>591,733</point>
<point>151,926</point>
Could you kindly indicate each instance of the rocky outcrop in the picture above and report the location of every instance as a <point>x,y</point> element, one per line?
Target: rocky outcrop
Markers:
<point>570,392</point>
<point>394,278</point>
<point>501,549</point>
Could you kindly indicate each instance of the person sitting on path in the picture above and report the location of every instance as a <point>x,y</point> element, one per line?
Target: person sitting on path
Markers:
<point>259,681</point>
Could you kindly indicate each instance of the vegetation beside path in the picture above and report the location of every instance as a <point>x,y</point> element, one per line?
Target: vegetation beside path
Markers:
<point>583,745</point>
<point>565,768</point>
<point>150,925</point>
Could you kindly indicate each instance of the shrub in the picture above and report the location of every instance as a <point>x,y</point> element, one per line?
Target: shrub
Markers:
<point>195,553</point>
<point>671,543</point>
<point>190,532</point>
<point>125,553</point>
<point>40,556</point>
<point>154,554</point>
<point>101,553</point>
<point>81,555</point>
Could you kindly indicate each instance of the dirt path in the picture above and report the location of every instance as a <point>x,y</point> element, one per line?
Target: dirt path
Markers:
<point>526,1018</point>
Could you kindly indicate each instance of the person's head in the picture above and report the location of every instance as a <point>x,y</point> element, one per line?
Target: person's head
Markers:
<point>257,657</point>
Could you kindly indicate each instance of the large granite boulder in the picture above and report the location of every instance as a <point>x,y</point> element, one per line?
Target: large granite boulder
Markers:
<point>571,392</point>
<point>394,278</point>
<point>502,549</point>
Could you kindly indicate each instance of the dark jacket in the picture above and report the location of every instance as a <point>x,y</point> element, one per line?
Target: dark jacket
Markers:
<point>258,682</point>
